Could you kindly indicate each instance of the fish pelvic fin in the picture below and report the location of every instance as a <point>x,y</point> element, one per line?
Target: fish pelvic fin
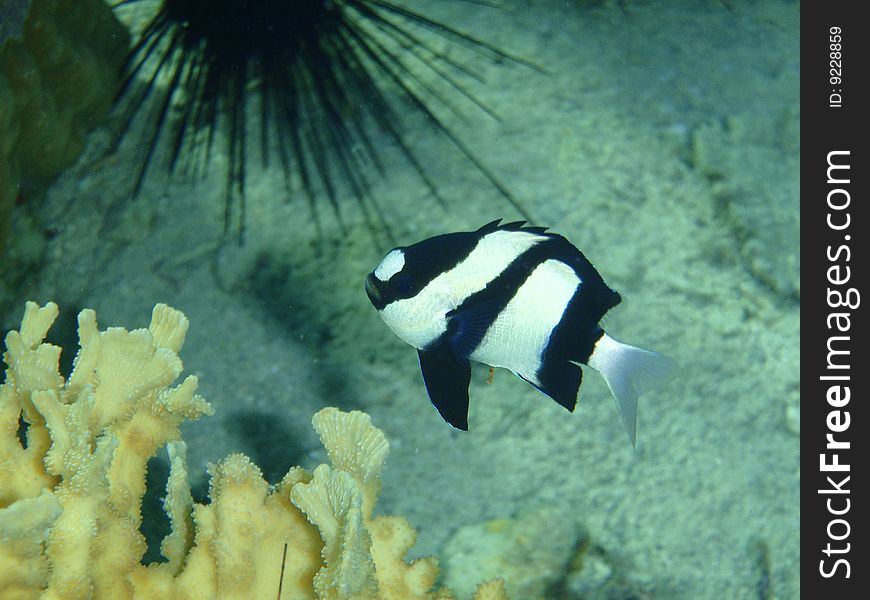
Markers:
<point>447,377</point>
<point>629,372</point>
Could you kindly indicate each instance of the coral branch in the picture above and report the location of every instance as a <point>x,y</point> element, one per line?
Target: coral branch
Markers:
<point>70,498</point>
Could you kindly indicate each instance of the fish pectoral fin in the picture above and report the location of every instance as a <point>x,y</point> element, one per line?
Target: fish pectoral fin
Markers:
<point>447,377</point>
<point>467,326</point>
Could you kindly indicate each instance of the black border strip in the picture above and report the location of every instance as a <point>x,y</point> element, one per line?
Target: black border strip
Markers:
<point>834,232</point>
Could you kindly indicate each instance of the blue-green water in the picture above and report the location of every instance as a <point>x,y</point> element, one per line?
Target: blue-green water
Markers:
<point>664,142</point>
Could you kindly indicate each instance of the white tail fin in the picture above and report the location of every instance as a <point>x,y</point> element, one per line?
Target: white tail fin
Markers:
<point>629,372</point>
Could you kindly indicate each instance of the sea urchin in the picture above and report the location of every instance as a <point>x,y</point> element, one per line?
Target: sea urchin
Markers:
<point>313,79</point>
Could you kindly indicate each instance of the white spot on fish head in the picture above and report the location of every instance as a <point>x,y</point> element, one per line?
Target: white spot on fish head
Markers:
<point>393,262</point>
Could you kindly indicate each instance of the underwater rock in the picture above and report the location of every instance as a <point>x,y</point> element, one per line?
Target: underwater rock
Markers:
<point>530,552</point>
<point>59,67</point>
<point>591,579</point>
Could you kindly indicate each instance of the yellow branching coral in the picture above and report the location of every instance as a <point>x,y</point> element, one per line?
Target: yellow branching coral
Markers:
<point>71,491</point>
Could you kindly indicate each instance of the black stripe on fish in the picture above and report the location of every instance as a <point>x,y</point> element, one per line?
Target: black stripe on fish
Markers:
<point>573,339</point>
<point>442,253</point>
<point>470,321</point>
<point>431,258</point>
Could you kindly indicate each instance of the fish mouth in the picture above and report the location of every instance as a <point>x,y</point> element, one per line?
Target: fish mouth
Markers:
<point>373,291</point>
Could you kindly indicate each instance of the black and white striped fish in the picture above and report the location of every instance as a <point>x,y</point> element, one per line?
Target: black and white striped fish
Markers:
<point>508,296</point>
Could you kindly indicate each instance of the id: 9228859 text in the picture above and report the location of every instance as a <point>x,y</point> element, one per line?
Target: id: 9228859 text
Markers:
<point>835,55</point>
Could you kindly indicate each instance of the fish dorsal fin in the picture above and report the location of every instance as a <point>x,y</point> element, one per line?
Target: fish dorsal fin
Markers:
<point>489,227</point>
<point>447,377</point>
<point>513,226</point>
<point>497,225</point>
